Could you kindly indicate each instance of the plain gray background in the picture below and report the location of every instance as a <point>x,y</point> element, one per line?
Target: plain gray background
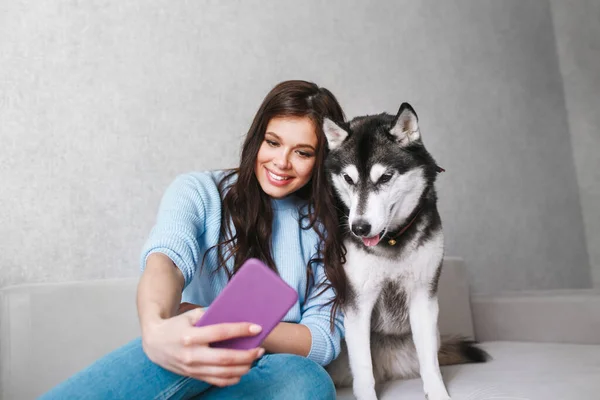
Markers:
<point>103,103</point>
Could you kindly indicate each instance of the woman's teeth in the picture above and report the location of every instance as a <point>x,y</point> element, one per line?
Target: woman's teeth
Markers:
<point>277,177</point>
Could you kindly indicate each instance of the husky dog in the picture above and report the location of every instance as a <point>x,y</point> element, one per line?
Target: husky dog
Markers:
<point>384,180</point>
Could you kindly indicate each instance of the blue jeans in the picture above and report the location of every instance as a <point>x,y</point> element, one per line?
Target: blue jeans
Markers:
<point>127,373</point>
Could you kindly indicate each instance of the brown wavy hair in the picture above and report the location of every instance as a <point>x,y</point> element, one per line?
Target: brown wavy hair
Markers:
<point>248,207</point>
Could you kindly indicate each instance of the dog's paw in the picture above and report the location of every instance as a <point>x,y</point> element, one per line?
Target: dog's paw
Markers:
<point>364,391</point>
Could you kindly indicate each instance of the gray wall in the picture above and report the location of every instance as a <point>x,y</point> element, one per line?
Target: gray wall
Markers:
<point>577,27</point>
<point>104,103</point>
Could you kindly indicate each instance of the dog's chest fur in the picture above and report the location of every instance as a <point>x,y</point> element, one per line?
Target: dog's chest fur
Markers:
<point>392,280</point>
<point>390,314</point>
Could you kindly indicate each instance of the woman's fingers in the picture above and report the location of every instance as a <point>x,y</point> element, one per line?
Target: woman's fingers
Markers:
<point>213,371</point>
<point>227,377</point>
<point>203,355</point>
<point>232,357</point>
<point>218,332</point>
<point>220,367</point>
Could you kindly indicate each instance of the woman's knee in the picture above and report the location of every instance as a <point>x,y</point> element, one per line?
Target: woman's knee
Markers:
<point>305,379</point>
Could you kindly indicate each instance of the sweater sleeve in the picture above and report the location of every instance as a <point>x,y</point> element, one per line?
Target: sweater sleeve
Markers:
<point>325,345</point>
<point>180,222</point>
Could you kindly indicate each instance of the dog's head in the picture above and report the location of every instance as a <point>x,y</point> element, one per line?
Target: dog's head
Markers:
<point>380,170</point>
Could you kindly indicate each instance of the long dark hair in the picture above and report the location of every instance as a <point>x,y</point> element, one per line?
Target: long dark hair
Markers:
<point>249,208</point>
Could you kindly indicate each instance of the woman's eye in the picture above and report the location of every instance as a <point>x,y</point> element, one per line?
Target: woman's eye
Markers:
<point>385,178</point>
<point>304,154</point>
<point>271,143</point>
<point>348,179</point>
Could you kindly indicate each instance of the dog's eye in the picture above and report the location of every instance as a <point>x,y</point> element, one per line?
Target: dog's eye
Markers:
<point>385,178</point>
<point>348,179</point>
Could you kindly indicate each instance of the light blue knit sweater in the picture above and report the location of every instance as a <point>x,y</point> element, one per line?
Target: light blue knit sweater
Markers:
<point>189,222</point>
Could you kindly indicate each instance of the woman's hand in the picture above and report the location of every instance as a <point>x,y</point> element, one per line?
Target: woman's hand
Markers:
<point>285,338</point>
<point>178,346</point>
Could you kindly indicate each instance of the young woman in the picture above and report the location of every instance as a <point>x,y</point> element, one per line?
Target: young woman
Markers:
<point>278,207</point>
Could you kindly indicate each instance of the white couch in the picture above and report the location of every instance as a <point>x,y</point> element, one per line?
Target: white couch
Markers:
<point>545,345</point>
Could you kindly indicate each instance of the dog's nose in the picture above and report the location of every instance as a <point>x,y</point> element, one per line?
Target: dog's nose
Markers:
<point>361,228</point>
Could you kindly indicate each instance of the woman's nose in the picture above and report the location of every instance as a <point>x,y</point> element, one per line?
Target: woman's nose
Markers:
<point>282,161</point>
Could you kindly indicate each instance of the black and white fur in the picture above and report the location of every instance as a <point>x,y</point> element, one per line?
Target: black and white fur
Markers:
<point>384,179</point>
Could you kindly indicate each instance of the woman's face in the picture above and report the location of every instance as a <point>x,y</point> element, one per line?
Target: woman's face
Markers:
<point>286,157</point>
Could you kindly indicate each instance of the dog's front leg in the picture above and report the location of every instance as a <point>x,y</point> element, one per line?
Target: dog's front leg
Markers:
<point>423,314</point>
<point>357,322</point>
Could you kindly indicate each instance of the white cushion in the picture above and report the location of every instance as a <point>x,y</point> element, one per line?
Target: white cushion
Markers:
<point>557,316</point>
<point>50,331</point>
<point>518,371</point>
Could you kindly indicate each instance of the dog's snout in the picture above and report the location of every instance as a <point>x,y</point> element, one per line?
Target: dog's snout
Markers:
<point>361,228</point>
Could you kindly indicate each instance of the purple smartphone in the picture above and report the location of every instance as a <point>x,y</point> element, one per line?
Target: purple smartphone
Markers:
<point>255,294</point>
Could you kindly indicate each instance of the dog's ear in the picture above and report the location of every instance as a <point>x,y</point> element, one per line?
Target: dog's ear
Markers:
<point>334,133</point>
<point>406,125</point>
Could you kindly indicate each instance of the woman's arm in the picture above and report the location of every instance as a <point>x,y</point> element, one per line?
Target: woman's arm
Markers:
<point>289,338</point>
<point>159,290</point>
<point>169,338</point>
<point>312,336</point>
<point>316,311</point>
